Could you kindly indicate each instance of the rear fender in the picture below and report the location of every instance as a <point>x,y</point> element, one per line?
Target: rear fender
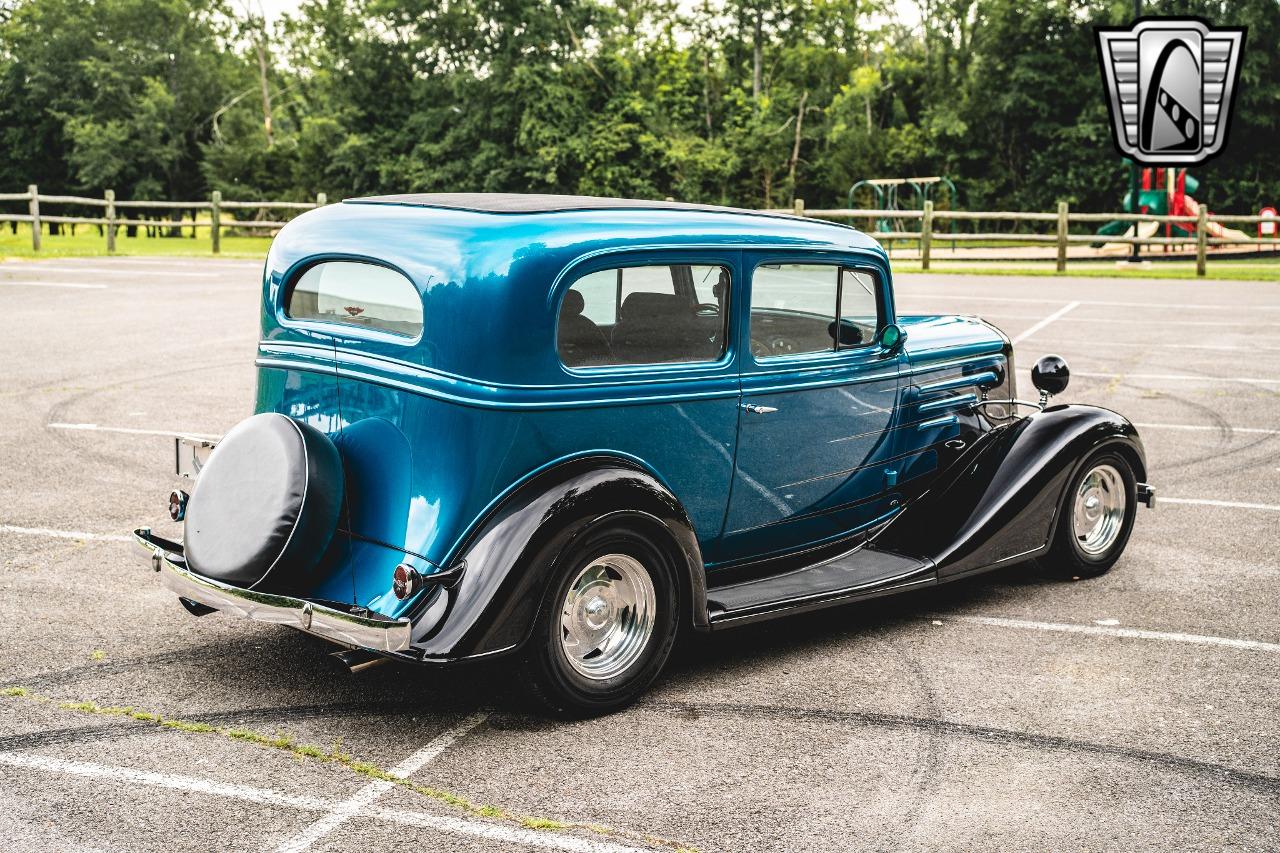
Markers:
<point>999,501</point>
<point>512,554</point>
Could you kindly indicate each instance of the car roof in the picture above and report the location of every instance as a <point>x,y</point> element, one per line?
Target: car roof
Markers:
<point>517,203</point>
<point>496,264</point>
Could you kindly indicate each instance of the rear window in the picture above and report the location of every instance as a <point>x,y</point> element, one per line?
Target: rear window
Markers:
<point>355,293</point>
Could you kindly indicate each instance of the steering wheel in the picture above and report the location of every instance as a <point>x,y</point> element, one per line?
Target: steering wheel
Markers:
<point>771,346</point>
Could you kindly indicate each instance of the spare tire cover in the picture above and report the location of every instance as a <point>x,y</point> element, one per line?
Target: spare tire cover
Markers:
<point>266,502</point>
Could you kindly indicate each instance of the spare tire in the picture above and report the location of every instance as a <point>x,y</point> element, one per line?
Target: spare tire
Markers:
<point>266,502</point>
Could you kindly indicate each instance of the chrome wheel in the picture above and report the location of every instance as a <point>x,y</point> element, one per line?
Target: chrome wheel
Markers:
<point>1099,511</point>
<point>607,616</point>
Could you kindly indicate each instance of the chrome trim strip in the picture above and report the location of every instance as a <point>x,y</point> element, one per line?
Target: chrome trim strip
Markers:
<point>922,367</point>
<point>376,633</point>
<point>945,420</point>
<point>948,403</point>
<point>959,382</point>
<point>422,390</point>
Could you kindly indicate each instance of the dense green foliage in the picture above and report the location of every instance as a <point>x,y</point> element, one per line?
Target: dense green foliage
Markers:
<point>748,102</point>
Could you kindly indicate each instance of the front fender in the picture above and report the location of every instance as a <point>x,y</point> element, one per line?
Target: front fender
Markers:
<point>511,555</point>
<point>999,501</point>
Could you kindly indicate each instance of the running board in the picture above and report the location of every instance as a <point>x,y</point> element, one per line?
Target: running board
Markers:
<point>862,573</point>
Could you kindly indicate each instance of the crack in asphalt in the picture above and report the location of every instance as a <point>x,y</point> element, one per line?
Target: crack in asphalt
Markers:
<point>987,734</point>
<point>279,714</point>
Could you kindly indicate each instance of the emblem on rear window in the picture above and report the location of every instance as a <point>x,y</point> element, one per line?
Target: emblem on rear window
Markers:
<point>1171,83</point>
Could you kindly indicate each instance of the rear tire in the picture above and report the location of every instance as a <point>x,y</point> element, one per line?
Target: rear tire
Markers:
<point>1096,518</point>
<point>606,626</point>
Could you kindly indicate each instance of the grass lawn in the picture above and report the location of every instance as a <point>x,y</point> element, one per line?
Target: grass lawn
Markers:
<point>87,242</point>
<point>1216,270</point>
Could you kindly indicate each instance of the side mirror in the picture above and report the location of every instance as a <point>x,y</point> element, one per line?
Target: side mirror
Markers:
<point>1050,375</point>
<point>892,338</point>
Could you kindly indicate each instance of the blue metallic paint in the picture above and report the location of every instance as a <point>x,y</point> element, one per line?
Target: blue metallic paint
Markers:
<point>477,412</point>
<point>460,447</point>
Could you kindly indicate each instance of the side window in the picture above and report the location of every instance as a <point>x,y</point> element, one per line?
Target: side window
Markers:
<point>859,307</point>
<point>354,293</point>
<point>654,314</point>
<point>794,309</point>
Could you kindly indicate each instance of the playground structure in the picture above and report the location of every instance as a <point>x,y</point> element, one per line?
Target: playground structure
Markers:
<point>1164,192</point>
<point>887,194</point>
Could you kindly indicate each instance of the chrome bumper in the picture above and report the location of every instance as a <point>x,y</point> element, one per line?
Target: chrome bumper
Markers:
<point>370,631</point>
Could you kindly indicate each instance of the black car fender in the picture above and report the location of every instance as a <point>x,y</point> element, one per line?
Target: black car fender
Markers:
<point>999,501</point>
<point>505,563</point>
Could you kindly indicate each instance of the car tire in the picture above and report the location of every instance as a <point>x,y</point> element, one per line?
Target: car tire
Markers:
<point>1096,518</point>
<point>606,626</point>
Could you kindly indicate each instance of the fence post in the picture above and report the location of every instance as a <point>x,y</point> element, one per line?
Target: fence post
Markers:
<point>799,207</point>
<point>926,234</point>
<point>321,199</point>
<point>1202,239</point>
<point>215,220</point>
<point>1062,236</point>
<point>110,196</point>
<point>34,207</point>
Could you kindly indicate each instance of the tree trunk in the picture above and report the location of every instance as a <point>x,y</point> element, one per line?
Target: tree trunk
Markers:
<point>706,92</point>
<point>795,148</point>
<point>757,67</point>
<point>266,93</point>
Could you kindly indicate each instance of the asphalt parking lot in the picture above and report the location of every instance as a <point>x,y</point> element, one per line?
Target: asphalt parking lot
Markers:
<point>1140,710</point>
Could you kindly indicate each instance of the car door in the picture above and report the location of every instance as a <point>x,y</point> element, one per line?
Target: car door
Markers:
<point>814,459</point>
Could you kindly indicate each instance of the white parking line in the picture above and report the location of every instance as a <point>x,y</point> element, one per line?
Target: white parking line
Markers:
<point>1146,346</point>
<point>362,799</point>
<point>1194,306</point>
<point>1108,631</point>
<point>1211,428</point>
<point>1176,377</point>
<point>115,271</point>
<point>1207,502</point>
<point>173,433</point>
<point>64,534</point>
<point>74,285</point>
<point>160,780</point>
<point>1066,309</point>
<point>1234,324</point>
<point>508,835</point>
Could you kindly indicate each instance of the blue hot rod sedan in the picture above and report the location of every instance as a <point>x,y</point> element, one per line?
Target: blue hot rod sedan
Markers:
<point>563,429</point>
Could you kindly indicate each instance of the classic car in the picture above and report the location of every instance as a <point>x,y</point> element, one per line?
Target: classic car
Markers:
<point>563,429</point>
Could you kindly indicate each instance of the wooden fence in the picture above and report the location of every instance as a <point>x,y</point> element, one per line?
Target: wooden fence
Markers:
<point>925,236</point>
<point>1061,236</point>
<point>111,221</point>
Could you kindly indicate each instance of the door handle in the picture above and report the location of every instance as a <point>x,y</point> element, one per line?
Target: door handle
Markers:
<point>755,409</point>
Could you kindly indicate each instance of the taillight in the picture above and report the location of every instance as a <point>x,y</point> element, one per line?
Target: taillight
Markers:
<point>406,581</point>
<point>178,504</point>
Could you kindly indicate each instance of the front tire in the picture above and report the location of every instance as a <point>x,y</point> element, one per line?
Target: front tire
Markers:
<point>1096,518</point>
<point>606,626</point>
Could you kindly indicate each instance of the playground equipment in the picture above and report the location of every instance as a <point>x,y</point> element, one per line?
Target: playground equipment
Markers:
<point>1164,192</point>
<point>886,194</point>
